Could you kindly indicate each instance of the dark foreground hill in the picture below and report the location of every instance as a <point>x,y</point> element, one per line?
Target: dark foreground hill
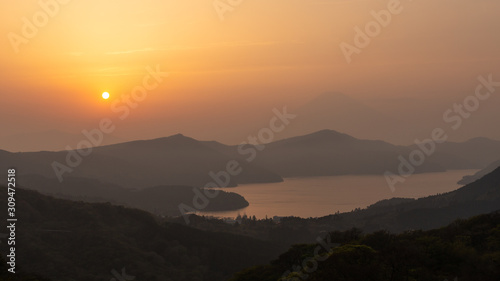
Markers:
<point>160,200</point>
<point>65,240</point>
<point>396,215</point>
<point>472,178</point>
<point>466,250</point>
<point>5,275</point>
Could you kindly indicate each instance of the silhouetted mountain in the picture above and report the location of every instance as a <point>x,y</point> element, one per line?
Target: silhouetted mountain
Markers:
<point>331,110</point>
<point>477,152</point>
<point>470,179</point>
<point>162,200</point>
<point>179,160</point>
<point>326,153</point>
<point>329,152</point>
<point>65,240</point>
<point>175,160</point>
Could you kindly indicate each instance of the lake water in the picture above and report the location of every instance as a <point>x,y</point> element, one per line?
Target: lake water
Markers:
<point>321,196</point>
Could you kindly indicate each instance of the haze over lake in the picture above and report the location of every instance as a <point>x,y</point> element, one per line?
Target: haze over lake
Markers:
<point>321,196</point>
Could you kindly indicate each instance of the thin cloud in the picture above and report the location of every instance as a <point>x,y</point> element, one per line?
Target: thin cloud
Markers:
<point>234,44</point>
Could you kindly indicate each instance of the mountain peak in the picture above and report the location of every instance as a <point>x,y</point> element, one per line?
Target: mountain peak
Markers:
<point>177,135</point>
<point>322,136</point>
<point>328,134</point>
<point>479,140</point>
<point>174,139</point>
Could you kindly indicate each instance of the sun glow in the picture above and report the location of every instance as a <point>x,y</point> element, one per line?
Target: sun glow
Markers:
<point>105,95</point>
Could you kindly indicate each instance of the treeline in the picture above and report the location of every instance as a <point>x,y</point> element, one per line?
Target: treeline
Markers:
<point>65,240</point>
<point>466,250</point>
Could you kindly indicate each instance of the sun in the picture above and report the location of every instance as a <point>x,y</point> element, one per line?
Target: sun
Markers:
<point>105,95</point>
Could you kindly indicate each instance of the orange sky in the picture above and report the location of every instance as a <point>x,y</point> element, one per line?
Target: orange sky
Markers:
<point>226,76</point>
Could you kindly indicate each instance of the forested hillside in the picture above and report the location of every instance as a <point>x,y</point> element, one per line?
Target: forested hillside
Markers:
<point>66,240</point>
<point>468,250</point>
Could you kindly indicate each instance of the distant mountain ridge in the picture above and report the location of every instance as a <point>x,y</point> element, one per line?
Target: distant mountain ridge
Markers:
<point>180,160</point>
<point>479,152</point>
<point>175,160</point>
<point>328,152</point>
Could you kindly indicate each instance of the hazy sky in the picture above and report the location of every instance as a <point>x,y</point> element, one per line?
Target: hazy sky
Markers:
<point>225,76</point>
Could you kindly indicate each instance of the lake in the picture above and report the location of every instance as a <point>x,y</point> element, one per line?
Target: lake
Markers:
<point>321,196</point>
